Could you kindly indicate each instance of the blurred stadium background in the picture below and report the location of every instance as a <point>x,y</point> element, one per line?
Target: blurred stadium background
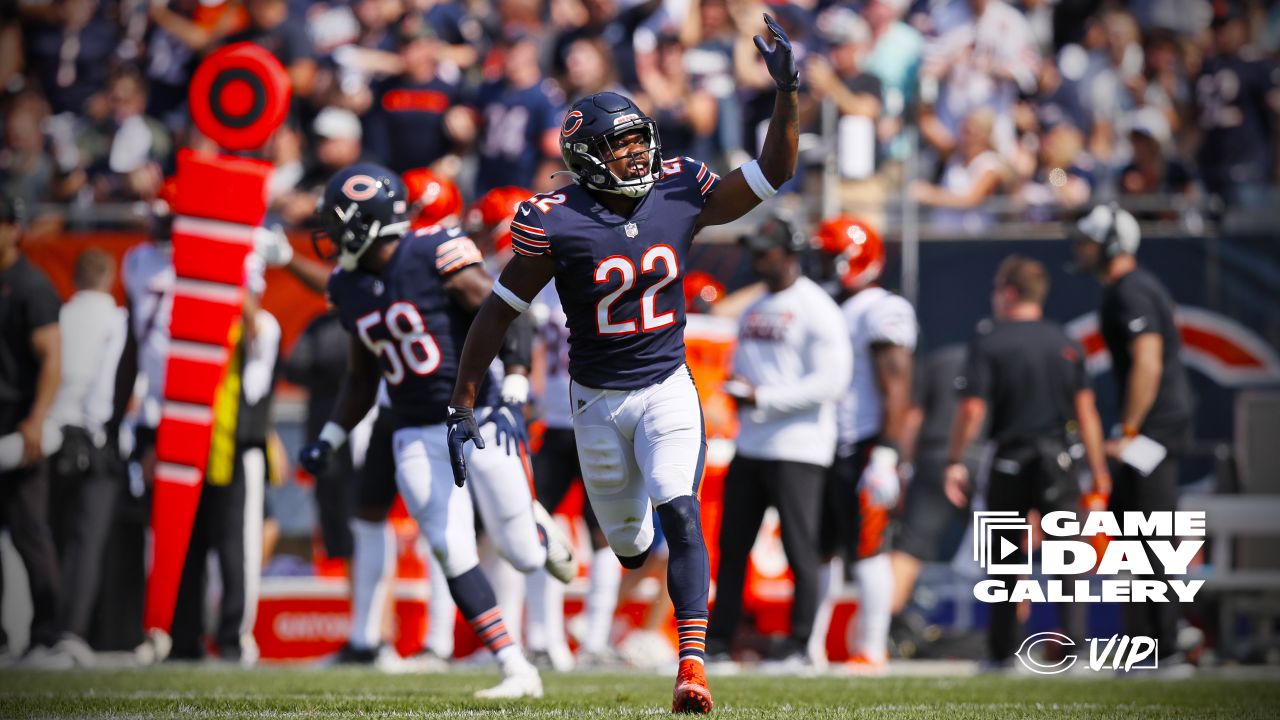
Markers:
<point>965,130</point>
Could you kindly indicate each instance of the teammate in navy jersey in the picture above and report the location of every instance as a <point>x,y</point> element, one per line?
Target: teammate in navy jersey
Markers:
<point>616,243</point>
<point>407,301</point>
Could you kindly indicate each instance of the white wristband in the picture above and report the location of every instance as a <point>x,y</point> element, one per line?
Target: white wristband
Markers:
<point>756,180</point>
<point>515,389</point>
<point>510,298</point>
<point>333,434</point>
<point>886,455</point>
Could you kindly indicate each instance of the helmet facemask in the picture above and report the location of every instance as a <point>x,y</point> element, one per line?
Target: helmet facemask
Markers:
<point>349,235</point>
<point>589,159</point>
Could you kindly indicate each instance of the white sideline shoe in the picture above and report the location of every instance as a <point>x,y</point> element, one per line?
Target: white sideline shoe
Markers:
<point>522,681</point>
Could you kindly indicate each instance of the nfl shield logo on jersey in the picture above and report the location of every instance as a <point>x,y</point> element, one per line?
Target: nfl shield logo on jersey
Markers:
<point>631,229</point>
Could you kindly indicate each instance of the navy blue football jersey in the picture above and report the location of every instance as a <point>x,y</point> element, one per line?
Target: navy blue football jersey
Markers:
<point>514,121</point>
<point>407,318</point>
<point>620,280</point>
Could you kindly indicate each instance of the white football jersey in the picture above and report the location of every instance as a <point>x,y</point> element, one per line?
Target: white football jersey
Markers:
<point>553,333</point>
<point>874,315</point>
<point>147,274</point>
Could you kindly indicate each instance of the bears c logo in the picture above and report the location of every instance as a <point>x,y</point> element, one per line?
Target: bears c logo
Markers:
<point>572,122</point>
<point>360,187</point>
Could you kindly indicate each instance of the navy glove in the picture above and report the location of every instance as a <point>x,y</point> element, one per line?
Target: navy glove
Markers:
<point>779,58</point>
<point>462,427</point>
<point>314,457</point>
<point>508,421</point>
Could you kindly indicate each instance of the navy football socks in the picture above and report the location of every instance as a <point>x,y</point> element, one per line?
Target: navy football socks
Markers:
<point>688,573</point>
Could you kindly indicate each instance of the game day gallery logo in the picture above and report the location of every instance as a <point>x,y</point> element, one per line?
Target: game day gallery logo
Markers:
<point>1136,543</point>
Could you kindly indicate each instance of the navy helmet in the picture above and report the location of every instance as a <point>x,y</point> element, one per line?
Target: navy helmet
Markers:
<point>362,204</point>
<point>588,141</point>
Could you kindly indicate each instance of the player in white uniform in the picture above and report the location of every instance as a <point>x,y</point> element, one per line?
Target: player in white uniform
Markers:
<point>863,486</point>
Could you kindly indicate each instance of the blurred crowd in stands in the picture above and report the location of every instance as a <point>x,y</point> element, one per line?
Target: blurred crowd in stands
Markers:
<point>1047,105</point>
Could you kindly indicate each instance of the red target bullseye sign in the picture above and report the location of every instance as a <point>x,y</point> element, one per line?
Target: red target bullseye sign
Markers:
<point>239,96</point>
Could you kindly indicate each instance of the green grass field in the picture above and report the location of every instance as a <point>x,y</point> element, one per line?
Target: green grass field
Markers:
<point>203,692</point>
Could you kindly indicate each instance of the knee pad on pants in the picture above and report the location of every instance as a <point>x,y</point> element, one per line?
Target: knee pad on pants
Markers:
<point>681,521</point>
<point>632,534</point>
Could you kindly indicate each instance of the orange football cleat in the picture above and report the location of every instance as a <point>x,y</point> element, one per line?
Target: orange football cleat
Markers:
<point>859,664</point>
<point>692,694</point>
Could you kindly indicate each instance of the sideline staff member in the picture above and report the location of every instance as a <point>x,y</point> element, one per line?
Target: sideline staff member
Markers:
<point>30,368</point>
<point>1136,319</point>
<point>793,362</point>
<point>1032,376</point>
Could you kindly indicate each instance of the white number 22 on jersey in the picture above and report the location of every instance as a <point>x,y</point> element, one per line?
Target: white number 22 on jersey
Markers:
<point>622,266</point>
<point>417,349</point>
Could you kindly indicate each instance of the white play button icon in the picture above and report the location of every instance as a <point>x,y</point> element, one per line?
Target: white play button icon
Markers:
<point>1007,548</point>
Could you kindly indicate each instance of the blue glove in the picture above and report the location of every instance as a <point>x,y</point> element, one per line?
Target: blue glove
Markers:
<point>314,457</point>
<point>508,421</point>
<point>779,58</point>
<point>462,427</point>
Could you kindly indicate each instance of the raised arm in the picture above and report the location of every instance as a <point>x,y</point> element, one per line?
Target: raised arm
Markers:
<point>759,179</point>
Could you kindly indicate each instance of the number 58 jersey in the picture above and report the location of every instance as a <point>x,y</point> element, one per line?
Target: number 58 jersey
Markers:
<point>620,280</point>
<point>406,317</point>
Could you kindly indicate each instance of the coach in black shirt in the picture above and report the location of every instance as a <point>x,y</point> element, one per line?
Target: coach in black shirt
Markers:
<point>1137,325</point>
<point>30,368</point>
<point>1032,378</point>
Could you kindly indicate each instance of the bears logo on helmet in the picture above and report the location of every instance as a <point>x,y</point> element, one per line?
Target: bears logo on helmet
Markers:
<point>572,122</point>
<point>360,187</point>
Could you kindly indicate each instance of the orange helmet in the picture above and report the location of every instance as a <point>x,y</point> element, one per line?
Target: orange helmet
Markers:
<point>433,200</point>
<point>701,291</point>
<point>493,213</point>
<point>857,247</point>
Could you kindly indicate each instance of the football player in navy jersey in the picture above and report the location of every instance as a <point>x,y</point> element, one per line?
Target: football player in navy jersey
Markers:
<point>407,300</point>
<point>616,241</point>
